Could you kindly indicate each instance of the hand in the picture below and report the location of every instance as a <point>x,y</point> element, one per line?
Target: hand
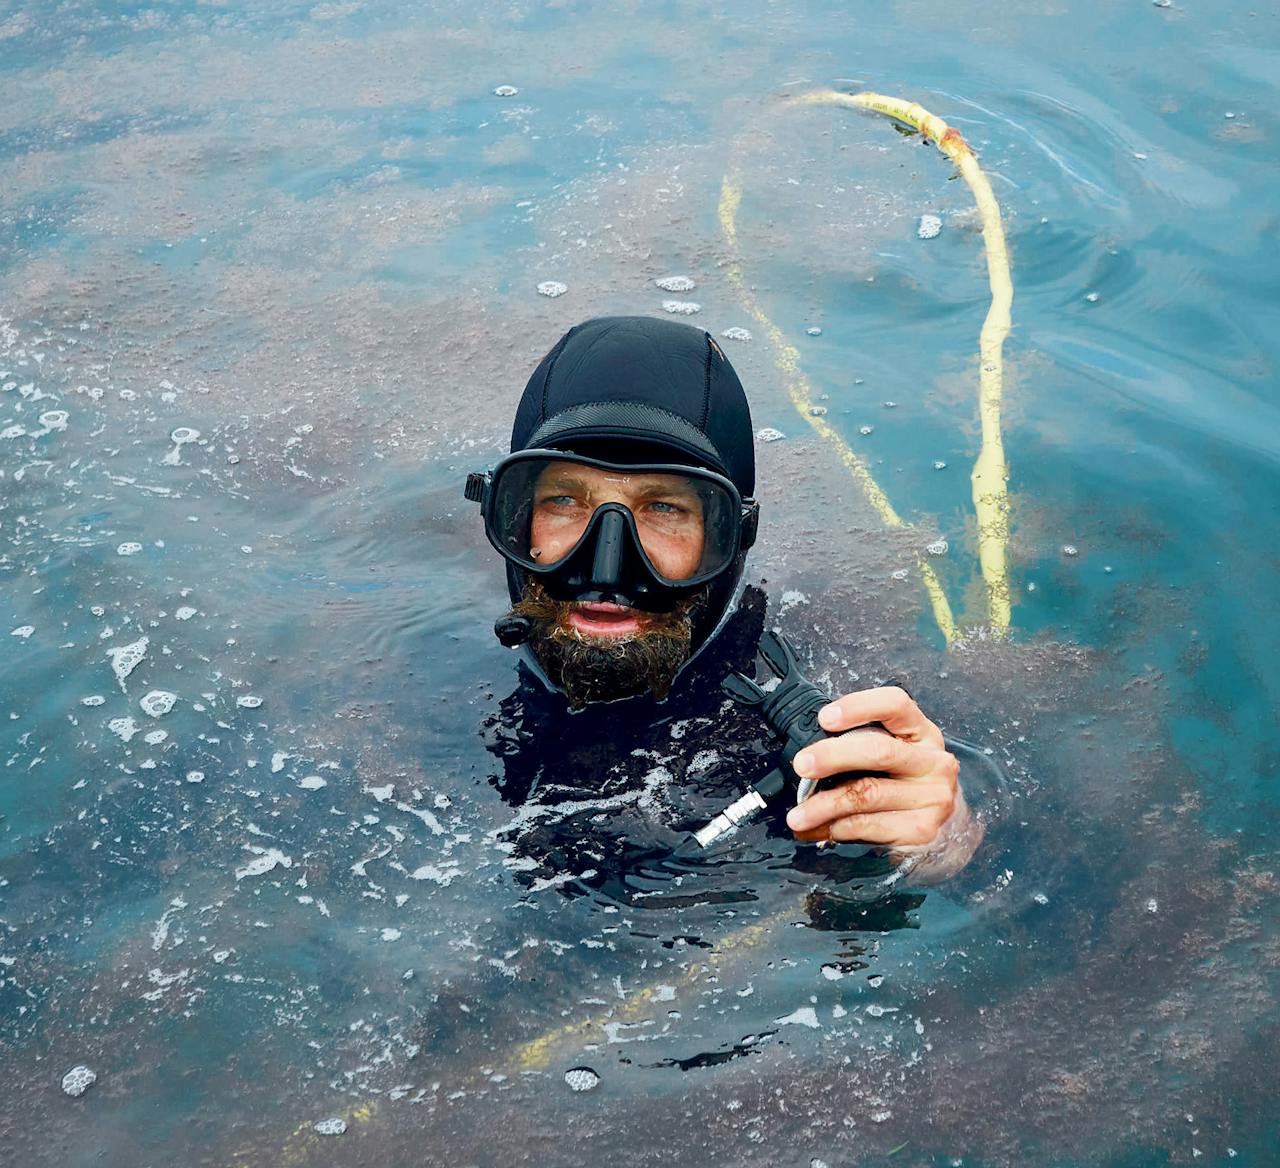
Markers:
<point>905,810</point>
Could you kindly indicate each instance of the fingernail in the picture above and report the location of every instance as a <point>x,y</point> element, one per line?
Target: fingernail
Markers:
<point>795,819</point>
<point>803,764</point>
<point>829,716</point>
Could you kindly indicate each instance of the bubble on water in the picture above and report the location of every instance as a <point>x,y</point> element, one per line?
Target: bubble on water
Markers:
<point>929,227</point>
<point>123,728</point>
<point>1162,3</point>
<point>155,737</point>
<point>890,405</point>
<point>249,701</point>
<point>505,91</point>
<point>1070,549</point>
<point>335,1126</point>
<point>13,432</point>
<point>938,464</point>
<point>769,434</point>
<point>937,548</point>
<point>312,782</point>
<point>552,288</point>
<point>158,702</point>
<point>128,549</point>
<point>817,1163</point>
<point>864,430</point>
<point>899,573</point>
<point>736,334</point>
<point>23,631</point>
<point>817,411</point>
<point>186,612</point>
<point>675,283</point>
<point>78,1080</point>
<point>54,419</point>
<point>1092,297</point>
<point>875,980</point>
<point>813,331</point>
<point>93,700</point>
<point>681,307</point>
<point>391,934</point>
<point>581,1078</point>
<point>1040,898</point>
<point>182,434</point>
<point>195,776</point>
<point>1152,905</point>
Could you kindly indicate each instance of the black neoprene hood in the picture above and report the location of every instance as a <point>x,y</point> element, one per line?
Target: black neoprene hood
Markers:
<point>634,380</point>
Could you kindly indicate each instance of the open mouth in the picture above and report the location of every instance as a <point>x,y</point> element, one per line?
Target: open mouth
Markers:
<point>601,619</point>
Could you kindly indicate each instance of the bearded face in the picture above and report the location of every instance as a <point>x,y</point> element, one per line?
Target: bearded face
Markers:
<point>597,653</point>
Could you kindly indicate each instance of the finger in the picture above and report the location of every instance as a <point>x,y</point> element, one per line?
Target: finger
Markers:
<point>895,829</point>
<point>889,705</point>
<point>870,796</point>
<point>868,750</point>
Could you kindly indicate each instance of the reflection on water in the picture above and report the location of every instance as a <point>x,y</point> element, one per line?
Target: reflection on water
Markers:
<point>283,838</point>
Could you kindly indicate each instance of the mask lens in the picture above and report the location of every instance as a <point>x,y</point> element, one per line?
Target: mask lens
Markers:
<point>540,508</point>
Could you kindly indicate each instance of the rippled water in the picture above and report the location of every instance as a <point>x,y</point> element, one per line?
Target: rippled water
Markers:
<point>269,288</point>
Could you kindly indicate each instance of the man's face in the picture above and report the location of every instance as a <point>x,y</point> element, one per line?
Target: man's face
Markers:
<point>669,517</point>
<point>597,651</point>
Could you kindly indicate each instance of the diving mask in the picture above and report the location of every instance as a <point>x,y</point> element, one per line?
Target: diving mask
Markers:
<point>642,536</point>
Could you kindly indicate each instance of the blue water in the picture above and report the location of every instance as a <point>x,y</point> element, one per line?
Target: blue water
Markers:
<point>313,233</point>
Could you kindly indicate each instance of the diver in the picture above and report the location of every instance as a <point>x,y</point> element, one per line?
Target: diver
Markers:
<point>625,512</point>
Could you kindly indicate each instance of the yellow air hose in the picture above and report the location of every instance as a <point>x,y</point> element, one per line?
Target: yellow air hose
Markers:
<point>990,473</point>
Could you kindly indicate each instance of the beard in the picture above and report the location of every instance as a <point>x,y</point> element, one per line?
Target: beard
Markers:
<point>602,669</point>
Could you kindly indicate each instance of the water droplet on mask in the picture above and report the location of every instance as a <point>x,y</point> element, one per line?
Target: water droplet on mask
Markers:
<point>581,1078</point>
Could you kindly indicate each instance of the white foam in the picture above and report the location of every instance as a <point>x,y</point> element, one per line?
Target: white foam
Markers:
<point>249,701</point>
<point>681,307</point>
<point>675,283</point>
<point>93,700</point>
<point>23,631</point>
<point>264,861</point>
<point>158,702</point>
<point>552,288</point>
<point>736,334</point>
<point>330,1127</point>
<point>805,1016</point>
<point>505,91</point>
<point>769,434</point>
<point>123,728</point>
<point>929,227</point>
<point>78,1080</point>
<point>186,612</point>
<point>311,783</point>
<point>128,549</point>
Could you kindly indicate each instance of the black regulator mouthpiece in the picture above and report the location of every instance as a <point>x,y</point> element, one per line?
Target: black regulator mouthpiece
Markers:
<point>513,629</point>
<point>791,710</point>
